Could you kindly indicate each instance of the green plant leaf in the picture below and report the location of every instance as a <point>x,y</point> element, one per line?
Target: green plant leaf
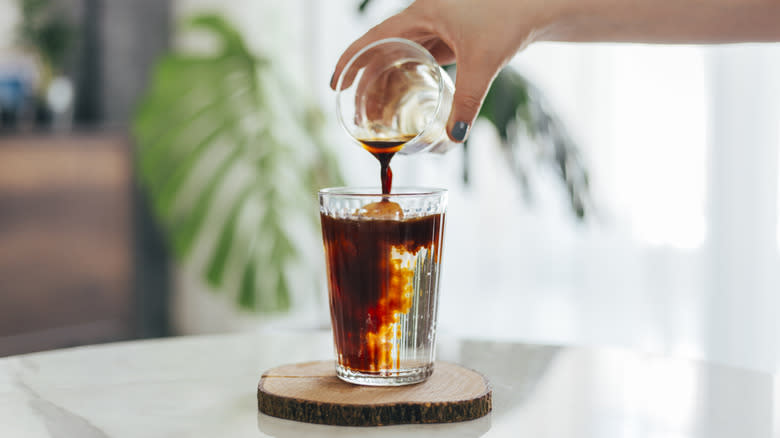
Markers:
<point>506,101</point>
<point>171,185</point>
<point>218,263</point>
<point>45,29</point>
<point>522,118</point>
<point>282,293</point>
<point>219,111</point>
<point>247,295</point>
<point>222,132</point>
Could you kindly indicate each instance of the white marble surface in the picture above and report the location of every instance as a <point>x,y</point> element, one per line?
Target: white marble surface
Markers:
<point>206,387</point>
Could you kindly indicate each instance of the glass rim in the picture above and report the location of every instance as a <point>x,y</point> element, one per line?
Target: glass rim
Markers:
<point>375,191</point>
<point>423,51</point>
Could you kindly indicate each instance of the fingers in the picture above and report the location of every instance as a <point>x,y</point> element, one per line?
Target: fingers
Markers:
<point>393,26</point>
<point>440,50</point>
<point>472,82</point>
<point>476,68</point>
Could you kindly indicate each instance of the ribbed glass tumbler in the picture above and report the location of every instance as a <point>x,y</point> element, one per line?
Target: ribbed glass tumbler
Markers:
<point>383,255</point>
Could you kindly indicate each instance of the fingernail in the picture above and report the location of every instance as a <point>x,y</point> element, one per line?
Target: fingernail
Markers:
<point>331,78</point>
<point>459,131</point>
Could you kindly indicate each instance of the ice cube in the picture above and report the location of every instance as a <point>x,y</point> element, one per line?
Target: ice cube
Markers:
<point>384,209</point>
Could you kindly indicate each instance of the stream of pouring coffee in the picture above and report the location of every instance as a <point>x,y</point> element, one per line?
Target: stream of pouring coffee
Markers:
<point>384,150</point>
<point>377,280</point>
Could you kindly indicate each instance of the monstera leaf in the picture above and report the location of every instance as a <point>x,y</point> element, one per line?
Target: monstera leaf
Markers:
<point>531,134</point>
<point>231,159</point>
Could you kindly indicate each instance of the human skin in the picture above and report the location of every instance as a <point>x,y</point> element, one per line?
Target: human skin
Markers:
<point>481,36</point>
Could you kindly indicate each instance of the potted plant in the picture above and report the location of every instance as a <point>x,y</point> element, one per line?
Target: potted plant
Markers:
<point>48,36</point>
<point>231,158</point>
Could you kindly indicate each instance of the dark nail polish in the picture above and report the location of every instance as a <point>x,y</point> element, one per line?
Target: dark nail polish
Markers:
<point>459,131</point>
<point>331,79</point>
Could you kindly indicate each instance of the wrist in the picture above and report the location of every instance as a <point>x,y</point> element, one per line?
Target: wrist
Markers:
<point>560,19</point>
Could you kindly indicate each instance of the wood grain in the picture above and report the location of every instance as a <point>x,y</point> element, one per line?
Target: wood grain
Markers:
<point>65,241</point>
<point>311,392</point>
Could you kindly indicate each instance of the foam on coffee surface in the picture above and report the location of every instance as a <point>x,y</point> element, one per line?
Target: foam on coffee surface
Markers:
<point>386,210</point>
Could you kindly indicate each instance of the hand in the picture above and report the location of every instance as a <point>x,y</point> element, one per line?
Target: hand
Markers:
<point>481,36</point>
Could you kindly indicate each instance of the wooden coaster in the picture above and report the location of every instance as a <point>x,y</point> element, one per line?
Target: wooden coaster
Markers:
<point>311,392</point>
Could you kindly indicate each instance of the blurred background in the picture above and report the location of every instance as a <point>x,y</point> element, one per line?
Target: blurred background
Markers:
<point>159,162</point>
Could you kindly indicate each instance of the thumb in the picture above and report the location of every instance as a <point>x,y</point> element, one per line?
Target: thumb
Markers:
<point>471,85</point>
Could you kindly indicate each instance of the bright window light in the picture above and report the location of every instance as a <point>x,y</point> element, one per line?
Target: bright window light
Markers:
<point>659,129</point>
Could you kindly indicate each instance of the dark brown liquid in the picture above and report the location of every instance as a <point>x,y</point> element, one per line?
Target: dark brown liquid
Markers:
<point>367,292</point>
<point>384,150</point>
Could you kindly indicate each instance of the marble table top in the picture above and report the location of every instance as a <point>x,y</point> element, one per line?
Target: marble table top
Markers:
<point>206,387</point>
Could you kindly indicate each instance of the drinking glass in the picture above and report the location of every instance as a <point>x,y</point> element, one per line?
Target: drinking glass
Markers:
<point>393,90</point>
<point>383,255</point>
